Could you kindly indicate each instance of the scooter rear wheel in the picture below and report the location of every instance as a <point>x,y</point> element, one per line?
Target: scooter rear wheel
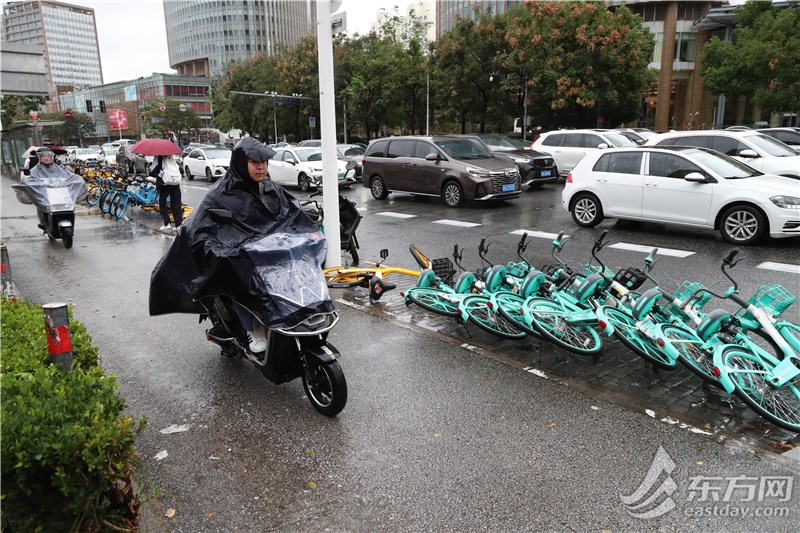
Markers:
<point>325,386</point>
<point>66,237</point>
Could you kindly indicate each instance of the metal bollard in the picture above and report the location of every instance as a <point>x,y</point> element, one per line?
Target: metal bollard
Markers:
<point>59,343</point>
<point>6,279</point>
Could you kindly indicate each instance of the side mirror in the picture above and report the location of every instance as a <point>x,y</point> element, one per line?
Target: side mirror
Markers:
<point>221,216</point>
<point>695,177</point>
<point>602,146</point>
<point>433,156</point>
<point>748,153</point>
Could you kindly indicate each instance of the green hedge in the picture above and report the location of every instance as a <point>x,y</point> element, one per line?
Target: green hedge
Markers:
<point>67,449</point>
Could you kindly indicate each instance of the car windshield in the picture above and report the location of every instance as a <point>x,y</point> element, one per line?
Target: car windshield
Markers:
<point>463,149</point>
<point>85,151</point>
<point>770,145</point>
<point>350,150</point>
<point>722,165</point>
<point>618,140</point>
<point>499,142</point>
<point>309,154</point>
<point>218,154</point>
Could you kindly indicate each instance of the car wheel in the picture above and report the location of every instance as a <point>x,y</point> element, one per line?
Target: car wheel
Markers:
<point>378,188</point>
<point>452,194</point>
<point>188,173</point>
<point>304,182</point>
<point>587,211</point>
<point>209,176</point>
<point>741,224</point>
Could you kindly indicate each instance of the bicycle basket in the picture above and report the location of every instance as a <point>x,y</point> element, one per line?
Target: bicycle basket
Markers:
<point>774,299</point>
<point>549,270</point>
<point>687,288</point>
<point>443,268</point>
<point>630,278</point>
<point>587,270</point>
<point>118,185</point>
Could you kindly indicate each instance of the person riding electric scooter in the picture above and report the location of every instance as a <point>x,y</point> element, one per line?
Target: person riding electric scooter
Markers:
<point>250,259</point>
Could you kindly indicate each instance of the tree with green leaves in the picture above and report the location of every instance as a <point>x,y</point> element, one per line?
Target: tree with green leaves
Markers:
<point>158,123</point>
<point>762,61</point>
<point>72,131</point>
<point>17,107</point>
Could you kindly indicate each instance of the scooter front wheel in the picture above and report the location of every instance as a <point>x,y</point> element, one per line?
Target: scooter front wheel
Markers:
<point>66,237</point>
<point>325,386</point>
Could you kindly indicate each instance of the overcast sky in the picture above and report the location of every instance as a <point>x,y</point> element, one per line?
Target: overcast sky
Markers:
<point>133,40</point>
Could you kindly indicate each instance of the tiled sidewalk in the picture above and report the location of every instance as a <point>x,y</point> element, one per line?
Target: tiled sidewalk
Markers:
<point>617,375</point>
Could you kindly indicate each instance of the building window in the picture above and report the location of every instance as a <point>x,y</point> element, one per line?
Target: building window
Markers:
<point>685,46</point>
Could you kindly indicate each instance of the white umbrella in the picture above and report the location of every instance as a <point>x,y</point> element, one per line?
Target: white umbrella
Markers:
<point>29,151</point>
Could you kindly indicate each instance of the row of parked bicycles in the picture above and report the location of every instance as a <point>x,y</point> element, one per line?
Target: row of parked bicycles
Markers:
<point>752,353</point>
<point>115,194</point>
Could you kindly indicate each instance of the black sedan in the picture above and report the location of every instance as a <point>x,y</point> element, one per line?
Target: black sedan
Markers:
<point>535,168</point>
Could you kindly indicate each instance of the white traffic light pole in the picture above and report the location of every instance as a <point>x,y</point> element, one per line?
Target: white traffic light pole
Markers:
<point>327,107</point>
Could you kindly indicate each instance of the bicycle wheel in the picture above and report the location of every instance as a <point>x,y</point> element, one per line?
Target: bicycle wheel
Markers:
<point>105,201</point>
<point>509,305</point>
<point>749,373</point>
<point>342,279</point>
<point>691,353</point>
<point>628,334</point>
<point>120,206</point>
<point>479,312</point>
<point>549,318</point>
<point>94,194</point>
<point>431,300</point>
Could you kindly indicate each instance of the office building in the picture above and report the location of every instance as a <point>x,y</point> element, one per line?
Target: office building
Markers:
<point>69,35</point>
<point>205,36</point>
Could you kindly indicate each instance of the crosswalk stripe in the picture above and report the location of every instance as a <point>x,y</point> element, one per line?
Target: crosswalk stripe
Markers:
<point>395,215</point>
<point>458,223</point>
<point>781,267</point>
<point>640,248</point>
<point>539,234</point>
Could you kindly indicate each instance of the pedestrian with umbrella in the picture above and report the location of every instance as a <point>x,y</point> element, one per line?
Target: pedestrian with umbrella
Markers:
<point>165,170</point>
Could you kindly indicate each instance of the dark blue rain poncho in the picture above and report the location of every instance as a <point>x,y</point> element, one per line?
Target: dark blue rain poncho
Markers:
<point>271,266</point>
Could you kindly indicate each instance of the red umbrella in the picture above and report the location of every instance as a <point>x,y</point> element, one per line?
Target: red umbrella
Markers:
<point>156,147</point>
<point>57,149</point>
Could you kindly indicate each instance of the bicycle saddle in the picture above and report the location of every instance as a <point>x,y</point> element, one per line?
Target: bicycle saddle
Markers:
<point>377,287</point>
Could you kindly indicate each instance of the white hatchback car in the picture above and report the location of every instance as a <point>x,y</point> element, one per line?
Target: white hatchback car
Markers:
<point>212,163</point>
<point>683,185</point>
<point>755,149</point>
<point>568,146</point>
<point>302,166</point>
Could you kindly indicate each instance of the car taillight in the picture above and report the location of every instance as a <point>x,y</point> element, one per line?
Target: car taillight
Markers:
<point>569,178</point>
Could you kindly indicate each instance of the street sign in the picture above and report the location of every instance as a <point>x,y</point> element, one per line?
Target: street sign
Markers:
<point>33,115</point>
<point>182,107</point>
<point>67,114</point>
<point>312,122</point>
<point>163,108</point>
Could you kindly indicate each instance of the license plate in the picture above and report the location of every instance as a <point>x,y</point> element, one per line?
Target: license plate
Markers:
<point>509,187</point>
<point>544,173</point>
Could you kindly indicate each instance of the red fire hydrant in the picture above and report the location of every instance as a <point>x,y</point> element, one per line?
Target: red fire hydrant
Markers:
<point>59,343</point>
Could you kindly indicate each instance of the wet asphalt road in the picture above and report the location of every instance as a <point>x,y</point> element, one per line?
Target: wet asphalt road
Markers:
<point>434,436</point>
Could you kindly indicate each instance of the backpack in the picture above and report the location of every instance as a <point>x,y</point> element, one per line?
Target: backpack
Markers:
<point>171,173</point>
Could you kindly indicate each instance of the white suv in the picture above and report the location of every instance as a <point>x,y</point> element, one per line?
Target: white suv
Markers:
<point>695,187</point>
<point>568,146</point>
<point>757,150</point>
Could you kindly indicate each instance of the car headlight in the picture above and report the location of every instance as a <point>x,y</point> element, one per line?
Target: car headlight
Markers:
<point>517,159</point>
<point>786,202</point>
<point>477,173</point>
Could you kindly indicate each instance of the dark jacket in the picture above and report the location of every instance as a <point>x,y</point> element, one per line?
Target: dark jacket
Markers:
<point>208,259</point>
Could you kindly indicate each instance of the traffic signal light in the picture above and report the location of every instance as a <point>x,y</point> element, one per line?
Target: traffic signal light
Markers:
<point>142,115</point>
<point>102,106</point>
<point>89,106</point>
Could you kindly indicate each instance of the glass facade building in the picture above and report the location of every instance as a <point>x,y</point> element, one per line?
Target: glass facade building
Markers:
<point>69,35</point>
<point>203,36</point>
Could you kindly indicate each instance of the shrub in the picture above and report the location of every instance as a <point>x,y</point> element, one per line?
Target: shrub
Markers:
<point>67,448</point>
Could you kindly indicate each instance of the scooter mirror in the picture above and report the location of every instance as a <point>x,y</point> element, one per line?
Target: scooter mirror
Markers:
<point>221,216</point>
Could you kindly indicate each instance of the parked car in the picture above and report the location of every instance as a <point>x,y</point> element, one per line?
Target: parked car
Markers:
<point>569,146</point>
<point>788,136</point>
<point>535,168</point>
<point>310,142</point>
<point>755,149</point>
<point>354,153</point>
<point>633,135</point>
<point>188,149</point>
<point>696,187</point>
<point>302,166</point>
<point>133,163</point>
<point>82,156</point>
<point>108,153</point>
<point>453,168</point>
<point>211,162</point>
